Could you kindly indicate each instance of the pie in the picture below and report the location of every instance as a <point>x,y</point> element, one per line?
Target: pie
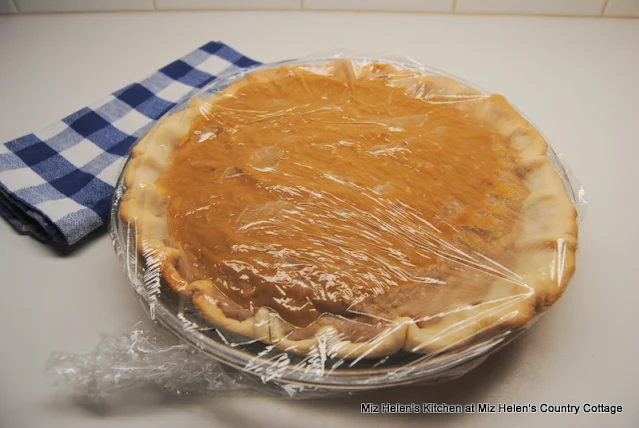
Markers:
<point>353,210</point>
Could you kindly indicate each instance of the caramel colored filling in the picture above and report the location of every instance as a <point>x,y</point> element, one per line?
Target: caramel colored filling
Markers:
<point>310,195</point>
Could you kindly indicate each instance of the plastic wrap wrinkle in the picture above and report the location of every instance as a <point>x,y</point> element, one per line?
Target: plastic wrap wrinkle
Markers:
<point>139,358</point>
<point>346,222</point>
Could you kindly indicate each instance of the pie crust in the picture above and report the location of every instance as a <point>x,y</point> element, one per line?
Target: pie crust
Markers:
<point>544,246</point>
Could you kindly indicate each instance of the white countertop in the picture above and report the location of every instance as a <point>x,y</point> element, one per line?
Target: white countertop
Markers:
<point>576,79</point>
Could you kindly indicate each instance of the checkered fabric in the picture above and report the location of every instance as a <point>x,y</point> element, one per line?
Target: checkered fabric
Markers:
<point>57,184</point>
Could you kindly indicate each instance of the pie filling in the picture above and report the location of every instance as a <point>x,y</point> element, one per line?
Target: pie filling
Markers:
<point>310,195</point>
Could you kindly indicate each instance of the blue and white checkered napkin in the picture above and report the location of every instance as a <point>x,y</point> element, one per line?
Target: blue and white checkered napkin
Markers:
<point>57,184</point>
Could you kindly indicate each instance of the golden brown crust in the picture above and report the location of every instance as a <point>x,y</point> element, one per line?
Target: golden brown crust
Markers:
<point>545,247</point>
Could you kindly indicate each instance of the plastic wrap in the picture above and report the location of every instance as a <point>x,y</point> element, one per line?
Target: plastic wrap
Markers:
<point>343,223</point>
<point>149,357</point>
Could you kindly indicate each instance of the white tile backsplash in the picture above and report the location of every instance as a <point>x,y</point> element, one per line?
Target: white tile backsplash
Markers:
<point>388,5</point>
<point>228,4</point>
<point>6,6</point>
<point>622,8</point>
<point>612,8</point>
<point>532,7</point>
<point>41,6</point>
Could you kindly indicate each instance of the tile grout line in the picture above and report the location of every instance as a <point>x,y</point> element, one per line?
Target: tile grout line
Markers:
<point>605,6</point>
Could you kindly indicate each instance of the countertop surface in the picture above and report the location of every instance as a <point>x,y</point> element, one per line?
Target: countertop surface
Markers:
<point>575,78</point>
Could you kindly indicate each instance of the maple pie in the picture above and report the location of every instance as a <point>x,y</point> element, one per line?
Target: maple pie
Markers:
<point>356,210</point>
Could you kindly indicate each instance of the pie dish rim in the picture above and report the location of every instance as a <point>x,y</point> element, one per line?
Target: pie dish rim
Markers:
<point>265,325</point>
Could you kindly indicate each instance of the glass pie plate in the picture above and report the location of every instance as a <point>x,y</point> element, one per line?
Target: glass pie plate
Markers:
<point>266,361</point>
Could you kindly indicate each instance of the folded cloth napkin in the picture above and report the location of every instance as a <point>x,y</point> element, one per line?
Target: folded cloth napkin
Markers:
<point>57,184</point>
